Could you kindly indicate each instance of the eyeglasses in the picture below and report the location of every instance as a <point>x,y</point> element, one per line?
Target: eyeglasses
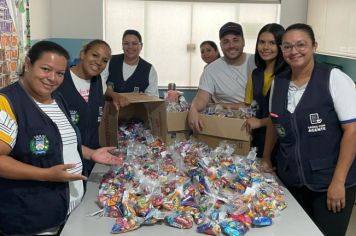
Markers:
<point>132,44</point>
<point>288,47</point>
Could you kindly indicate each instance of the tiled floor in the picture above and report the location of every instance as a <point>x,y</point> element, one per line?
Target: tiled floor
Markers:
<point>351,230</point>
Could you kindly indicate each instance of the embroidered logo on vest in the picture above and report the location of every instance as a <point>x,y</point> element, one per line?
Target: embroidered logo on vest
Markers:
<point>315,122</point>
<point>74,115</point>
<point>39,145</point>
<point>100,113</point>
<point>280,130</point>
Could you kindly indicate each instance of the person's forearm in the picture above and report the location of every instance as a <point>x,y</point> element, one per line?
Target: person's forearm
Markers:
<point>16,170</point>
<point>264,122</point>
<point>109,94</point>
<point>234,106</point>
<point>346,156</point>
<point>270,139</point>
<point>198,104</point>
<point>87,152</point>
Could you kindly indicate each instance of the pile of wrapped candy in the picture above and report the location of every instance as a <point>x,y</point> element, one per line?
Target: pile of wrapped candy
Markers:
<point>241,113</point>
<point>187,184</point>
<point>175,101</point>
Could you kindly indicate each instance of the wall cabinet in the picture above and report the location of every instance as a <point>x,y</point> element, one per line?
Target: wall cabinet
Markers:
<point>334,24</point>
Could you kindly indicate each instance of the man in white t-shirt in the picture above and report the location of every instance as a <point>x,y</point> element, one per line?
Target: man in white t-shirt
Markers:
<point>224,80</point>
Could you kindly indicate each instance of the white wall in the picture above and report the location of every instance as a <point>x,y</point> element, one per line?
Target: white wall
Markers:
<point>40,19</point>
<point>293,11</point>
<point>75,19</point>
<point>83,19</point>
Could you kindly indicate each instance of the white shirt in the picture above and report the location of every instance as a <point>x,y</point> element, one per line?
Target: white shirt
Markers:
<point>227,83</point>
<point>342,90</point>
<point>128,70</point>
<point>82,86</point>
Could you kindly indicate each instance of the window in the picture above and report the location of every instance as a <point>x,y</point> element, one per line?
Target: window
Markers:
<point>172,31</point>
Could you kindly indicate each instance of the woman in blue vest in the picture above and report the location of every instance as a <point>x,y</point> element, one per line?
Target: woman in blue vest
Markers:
<point>82,89</point>
<point>269,61</point>
<point>128,72</point>
<point>313,112</point>
<point>41,173</point>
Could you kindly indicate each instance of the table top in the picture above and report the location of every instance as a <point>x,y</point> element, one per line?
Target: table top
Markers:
<point>292,221</point>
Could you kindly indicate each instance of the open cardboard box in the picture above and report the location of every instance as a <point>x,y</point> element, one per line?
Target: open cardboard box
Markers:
<point>151,110</point>
<point>177,126</point>
<point>217,129</point>
<point>177,121</point>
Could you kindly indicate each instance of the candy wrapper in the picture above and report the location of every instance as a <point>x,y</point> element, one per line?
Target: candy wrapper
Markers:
<point>210,228</point>
<point>180,221</point>
<point>126,224</point>
<point>187,182</point>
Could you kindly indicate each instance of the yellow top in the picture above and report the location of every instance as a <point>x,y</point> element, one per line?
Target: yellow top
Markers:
<point>8,125</point>
<point>267,82</point>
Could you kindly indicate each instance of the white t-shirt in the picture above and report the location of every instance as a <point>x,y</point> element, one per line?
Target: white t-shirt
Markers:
<point>342,90</point>
<point>227,83</point>
<point>82,86</point>
<point>128,70</point>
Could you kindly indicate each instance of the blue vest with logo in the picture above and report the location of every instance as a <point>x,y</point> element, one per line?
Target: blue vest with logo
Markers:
<point>30,206</point>
<point>139,79</point>
<point>310,137</point>
<point>258,135</point>
<point>86,115</point>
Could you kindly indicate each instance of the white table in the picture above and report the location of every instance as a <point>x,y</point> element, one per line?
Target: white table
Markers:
<point>292,220</point>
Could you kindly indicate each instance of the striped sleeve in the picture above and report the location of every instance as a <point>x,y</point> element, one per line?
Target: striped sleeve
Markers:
<point>8,125</point>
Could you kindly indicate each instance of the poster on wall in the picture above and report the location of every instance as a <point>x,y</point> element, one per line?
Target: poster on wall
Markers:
<point>12,39</point>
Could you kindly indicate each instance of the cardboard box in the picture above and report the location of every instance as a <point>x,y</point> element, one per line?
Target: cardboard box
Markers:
<point>217,129</point>
<point>151,110</point>
<point>180,136</point>
<point>177,126</point>
<point>177,121</point>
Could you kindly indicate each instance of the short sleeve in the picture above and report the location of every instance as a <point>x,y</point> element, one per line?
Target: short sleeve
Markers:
<point>152,88</point>
<point>343,92</point>
<point>8,125</point>
<point>104,76</point>
<point>206,82</point>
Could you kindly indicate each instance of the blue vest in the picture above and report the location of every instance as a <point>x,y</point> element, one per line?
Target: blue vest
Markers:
<point>139,79</point>
<point>258,135</point>
<point>86,115</point>
<point>310,137</point>
<point>30,206</point>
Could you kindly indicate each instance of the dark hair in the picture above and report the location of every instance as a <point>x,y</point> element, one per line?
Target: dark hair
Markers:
<point>91,44</point>
<point>277,31</point>
<point>212,44</point>
<point>303,27</point>
<point>132,32</point>
<point>41,47</point>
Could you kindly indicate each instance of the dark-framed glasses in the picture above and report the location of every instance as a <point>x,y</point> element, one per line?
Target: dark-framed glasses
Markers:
<point>288,47</point>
